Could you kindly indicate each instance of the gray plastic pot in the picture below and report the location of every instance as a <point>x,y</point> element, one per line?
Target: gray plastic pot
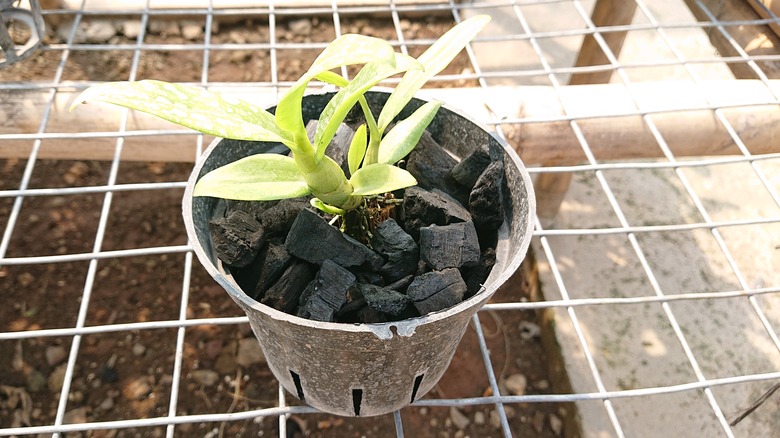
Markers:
<point>366,369</point>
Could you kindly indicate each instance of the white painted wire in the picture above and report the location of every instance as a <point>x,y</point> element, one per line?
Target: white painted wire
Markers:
<point>282,411</point>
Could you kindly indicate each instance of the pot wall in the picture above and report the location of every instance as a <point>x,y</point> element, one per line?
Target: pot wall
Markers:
<point>366,369</point>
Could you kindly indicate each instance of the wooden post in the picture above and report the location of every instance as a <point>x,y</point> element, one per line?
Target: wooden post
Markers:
<point>551,188</point>
<point>755,40</point>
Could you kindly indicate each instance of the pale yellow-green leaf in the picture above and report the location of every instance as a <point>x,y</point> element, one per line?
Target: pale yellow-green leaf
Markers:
<point>435,59</point>
<point>192,107</point>
<point>380,178</point>
<point>261,177</point>
<point>357,149</point>
<point>406,134</point>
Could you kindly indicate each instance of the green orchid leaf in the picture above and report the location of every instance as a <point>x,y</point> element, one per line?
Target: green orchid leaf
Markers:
<point>345,50</point>
<point>380,178</point>
<point>357,149</point>
<point>338,107</point>
<point>326,208</point>
<point>261,177</point>
<point>406,134</point>
<point>435,59</point>
<point>333,78</point>
<point>192,107</point>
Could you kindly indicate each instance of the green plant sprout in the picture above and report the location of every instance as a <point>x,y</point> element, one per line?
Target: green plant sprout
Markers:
<point>266,177</point>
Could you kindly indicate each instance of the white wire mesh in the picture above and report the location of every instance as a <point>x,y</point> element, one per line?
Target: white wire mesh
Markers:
<point>539,39</point>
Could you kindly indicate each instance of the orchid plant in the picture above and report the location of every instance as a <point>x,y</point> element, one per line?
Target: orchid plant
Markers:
<point>308,171</point>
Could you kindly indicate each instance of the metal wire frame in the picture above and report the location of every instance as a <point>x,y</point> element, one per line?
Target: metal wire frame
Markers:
<point>661,296</point>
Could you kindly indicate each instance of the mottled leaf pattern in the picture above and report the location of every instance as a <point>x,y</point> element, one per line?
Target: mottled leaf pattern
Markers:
<point>261,177</point>
<point>406,133</point>
<point>380,178</point>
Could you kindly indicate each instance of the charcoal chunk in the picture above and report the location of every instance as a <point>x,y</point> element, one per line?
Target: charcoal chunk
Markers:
<point>451,246</point>
<point>470,168</point>
<point>431,164</point>
<point>422,208</point>
<point>437,290</point>
<point>255,208</point>
<point>401,284</point>
<point>274,260</point>
<point>475,276</point>
<point>486,198</point>
<point>285,293</point>
<point>237,238</point>
<point>399,249</point>
<point>312,239</point>
<point>384,300</point>
<point>338,146</point>
<point>278,219</point>
<point>328,292</point>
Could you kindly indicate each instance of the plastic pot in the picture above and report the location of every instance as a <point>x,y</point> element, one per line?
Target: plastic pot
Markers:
<point>366,369</point>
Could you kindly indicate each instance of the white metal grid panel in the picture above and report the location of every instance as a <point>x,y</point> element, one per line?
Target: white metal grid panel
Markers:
<point>759,299</point>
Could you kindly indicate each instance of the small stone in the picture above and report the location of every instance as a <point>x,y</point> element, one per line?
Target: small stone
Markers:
<point>249,352</point>
<point>495,419</point>
<point>205,377</point>
<point>437,290</point>
<point>300,26</point>
<point>486,200</point>
<point>459,434</point>
<point>192,30</point>
<point>450,246</point>
<point>137,389</point>
<point>108,374</point>
<point>57,378</point>
<point>529,330</point>
<point>164,27</point>
<point>36,381</point>
<point>99,31</point>
<point>55,354</point>
<point>76,397</point>
<point>538,421</point>
<point>556,424</point>
<point>542,385</point>
<point>131,29</point>
<point>516,384</point>
<point>213,348</point>
<point>479,418</point>
<point>107,404</point>
<point>311,238</point>
<point>459,419</point>
<point>139,349</point>
<point>226,362</point>
<point>75,416</point>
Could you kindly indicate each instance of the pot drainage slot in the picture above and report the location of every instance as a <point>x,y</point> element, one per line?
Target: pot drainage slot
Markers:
<point>297,380</point>
<point>357,398</point>
<point>417,382</point>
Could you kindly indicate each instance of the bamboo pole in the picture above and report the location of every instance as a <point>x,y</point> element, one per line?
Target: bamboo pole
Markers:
<point>551,188</point>
<point>605,113</point>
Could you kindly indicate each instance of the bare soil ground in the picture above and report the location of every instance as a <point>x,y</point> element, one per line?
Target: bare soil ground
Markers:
<point>128,374</point>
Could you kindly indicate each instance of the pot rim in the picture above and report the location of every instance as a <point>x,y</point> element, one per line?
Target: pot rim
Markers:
<point>383,330</point>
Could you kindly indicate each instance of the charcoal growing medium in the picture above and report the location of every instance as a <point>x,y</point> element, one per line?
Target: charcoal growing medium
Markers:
<point>434,249</point>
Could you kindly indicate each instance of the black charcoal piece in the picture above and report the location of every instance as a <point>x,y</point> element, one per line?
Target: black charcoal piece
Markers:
<point>486,199</point>
<point>436,290</point>
<point>255,208</point>
<point>278,219</point>
<point>285,294</point>
<point>367,315</point>
<point>312,239</point>
<point>431,164</point>
<point>401,284</point>
<point>328,292</point>
<point>422,208</point>
<point>273,261</point>
<point>470,168</point>
<point>237,238</point>
<point>398,248</point>
<point>451,246</point>
<point>338,146</point>
<point>476,275</point>
<point>383,300</point>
